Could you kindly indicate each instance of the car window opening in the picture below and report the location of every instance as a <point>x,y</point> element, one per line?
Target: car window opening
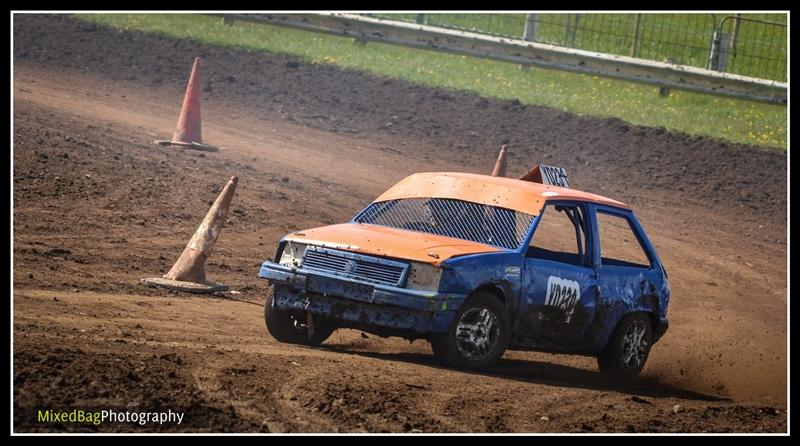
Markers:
<point>560,239</point>
<point>619,243</point>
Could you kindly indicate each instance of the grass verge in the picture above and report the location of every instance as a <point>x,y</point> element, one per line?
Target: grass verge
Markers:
<point>734,120</point>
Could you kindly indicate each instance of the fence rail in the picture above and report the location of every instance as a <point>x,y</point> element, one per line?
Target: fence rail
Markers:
<point>532,53</point>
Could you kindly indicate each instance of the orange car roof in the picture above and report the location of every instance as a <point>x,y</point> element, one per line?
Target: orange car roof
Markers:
<point>519,195</point>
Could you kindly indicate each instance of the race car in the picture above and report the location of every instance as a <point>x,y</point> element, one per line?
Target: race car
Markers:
<point>476,265</point>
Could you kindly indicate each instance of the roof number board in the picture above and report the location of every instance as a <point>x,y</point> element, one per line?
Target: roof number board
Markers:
<point>554,176</point>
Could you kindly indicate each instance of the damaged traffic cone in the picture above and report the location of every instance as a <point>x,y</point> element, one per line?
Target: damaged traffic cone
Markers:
<point>188,273</point>
<point>500,165</point>
<point>188,132</point>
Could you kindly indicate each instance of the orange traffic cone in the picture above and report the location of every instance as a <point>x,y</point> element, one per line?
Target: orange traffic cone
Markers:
<point>500,165</point>
<point>188,274</point>
<point>188,131</point>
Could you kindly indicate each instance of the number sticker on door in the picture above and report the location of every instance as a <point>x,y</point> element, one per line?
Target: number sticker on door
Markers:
<point>562,294</point>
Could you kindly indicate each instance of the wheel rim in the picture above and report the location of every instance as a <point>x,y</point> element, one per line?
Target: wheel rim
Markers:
<point>634,345</point>
<point>298,323</point>
<point>477,333</point>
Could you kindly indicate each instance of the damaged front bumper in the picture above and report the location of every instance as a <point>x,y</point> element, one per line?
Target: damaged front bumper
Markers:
<point>362,304</point>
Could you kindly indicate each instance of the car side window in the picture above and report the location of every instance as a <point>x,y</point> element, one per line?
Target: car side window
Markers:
<point>560,235</point>
<point>619,245</point>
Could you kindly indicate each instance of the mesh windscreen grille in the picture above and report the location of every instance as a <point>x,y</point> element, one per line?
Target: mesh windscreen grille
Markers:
<point>451,218</point>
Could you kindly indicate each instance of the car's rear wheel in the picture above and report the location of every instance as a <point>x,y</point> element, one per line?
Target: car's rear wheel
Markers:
<point>628,349</point>
<point>292,327</point>
<point>478,336</point>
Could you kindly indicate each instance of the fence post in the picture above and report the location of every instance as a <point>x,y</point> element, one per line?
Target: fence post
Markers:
<point>724,51</point>
<point>530,27</point>
<point>572,29</point>
<point>735,32</point>
<point>575,29</point>
<point>664,91</point>
<point>712,52</point>
<point>635,43</point>
<point>720,45</point>
<point>420,19</point>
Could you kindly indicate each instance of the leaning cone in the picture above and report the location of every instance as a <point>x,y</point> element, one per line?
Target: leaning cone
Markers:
<point>188,272</point>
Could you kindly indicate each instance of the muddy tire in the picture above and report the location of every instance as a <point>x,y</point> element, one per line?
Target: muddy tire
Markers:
<point>478,336</point>
<point>628,349</point>
<point>291,327</point>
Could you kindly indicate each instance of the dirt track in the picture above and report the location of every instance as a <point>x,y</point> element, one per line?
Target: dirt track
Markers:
<point>98,206</point>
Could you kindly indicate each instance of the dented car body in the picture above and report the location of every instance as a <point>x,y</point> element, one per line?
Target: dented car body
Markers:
<point>459,259</point>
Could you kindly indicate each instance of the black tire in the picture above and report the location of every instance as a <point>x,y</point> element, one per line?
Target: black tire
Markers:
<point>618,360</point>
<point>493,332</point>
<point>291,327</point>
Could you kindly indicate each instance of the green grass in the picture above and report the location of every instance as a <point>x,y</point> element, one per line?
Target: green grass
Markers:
<point>685,38</point>
<point>734,120</point>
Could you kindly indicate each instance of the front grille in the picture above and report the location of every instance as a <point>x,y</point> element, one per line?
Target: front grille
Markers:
<point>355,266</point>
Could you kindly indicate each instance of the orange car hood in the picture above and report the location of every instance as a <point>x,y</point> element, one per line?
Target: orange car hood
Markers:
<point>389,242</point>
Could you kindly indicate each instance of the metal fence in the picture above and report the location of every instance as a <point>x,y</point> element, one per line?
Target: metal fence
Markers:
<point>671,75</point>
<point>752,47</point>
<point>748,44</point>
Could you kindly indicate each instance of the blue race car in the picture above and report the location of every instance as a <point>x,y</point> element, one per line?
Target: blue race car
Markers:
<point>476,265</point>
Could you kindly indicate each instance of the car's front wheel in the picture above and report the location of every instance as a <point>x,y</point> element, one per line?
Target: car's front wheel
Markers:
<point>628,349</point>
<point>478,336</point>
<point>292,327</point>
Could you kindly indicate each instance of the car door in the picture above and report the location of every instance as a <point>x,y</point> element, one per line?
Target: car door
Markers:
<point>558,292</point>
<point>627,275</point>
